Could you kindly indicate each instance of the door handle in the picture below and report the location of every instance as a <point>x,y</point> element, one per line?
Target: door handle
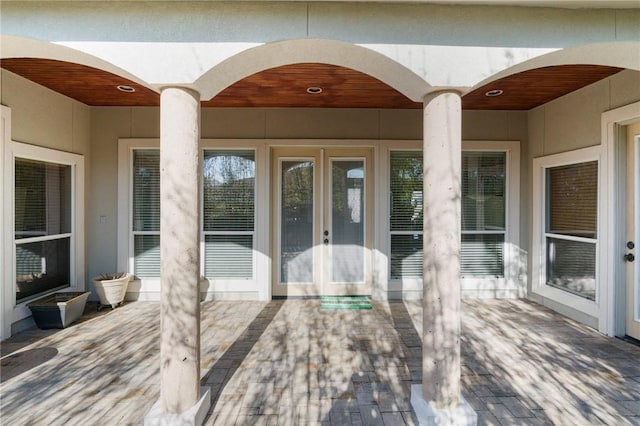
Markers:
<point>326,241</point>
<point>629,257</point>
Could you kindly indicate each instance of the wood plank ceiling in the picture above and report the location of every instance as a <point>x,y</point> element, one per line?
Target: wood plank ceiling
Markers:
<point>287,86</point>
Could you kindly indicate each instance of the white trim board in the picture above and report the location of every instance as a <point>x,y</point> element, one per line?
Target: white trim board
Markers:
<point>612,125</point>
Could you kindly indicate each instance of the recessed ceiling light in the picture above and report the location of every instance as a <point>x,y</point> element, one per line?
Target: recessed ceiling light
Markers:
<point>314,90</point>
<point>494,92</point>
<point>124,88</point>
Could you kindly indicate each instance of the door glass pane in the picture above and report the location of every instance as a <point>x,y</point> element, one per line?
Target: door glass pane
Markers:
<point>296,227</point>
<point>347,221</point>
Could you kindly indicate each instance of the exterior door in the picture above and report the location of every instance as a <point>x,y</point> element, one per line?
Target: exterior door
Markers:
<point>633,232</point>
<point>322,221</point>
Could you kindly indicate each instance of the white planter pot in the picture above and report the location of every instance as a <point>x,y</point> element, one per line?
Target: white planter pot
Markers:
<point>111,292</point>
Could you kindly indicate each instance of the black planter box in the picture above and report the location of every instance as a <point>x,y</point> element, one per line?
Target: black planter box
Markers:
<point>58,310</point>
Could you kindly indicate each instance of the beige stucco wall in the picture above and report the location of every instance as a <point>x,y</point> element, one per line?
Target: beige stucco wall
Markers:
<point>573,122</point>
<point>40,116</point>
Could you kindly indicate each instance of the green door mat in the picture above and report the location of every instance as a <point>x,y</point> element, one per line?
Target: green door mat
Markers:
<point>345,302</point>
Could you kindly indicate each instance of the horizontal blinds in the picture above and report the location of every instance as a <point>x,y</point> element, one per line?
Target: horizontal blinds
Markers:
<point>406,191</point>
<point>573,199</point>
<point>146,190</point>
<point>42,198</point>
<point>571,266</point>
<point>482,255</point>
<point>483,191</point>
<point>483,209</point>
<point>146,261</point>
<point>406,256</point>
<point>228,256</point>
<point>229,190</point>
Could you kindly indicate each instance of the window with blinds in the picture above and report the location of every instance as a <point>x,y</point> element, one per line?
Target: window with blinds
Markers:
<point>229,213</point>
<point>483,214</point>
<point>571,228</point>
<point>43,231</point>
<point>146,213</point>
<point>405,215</point>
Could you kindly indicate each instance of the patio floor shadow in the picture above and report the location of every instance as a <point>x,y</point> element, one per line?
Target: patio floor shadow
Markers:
<point>290,362</point>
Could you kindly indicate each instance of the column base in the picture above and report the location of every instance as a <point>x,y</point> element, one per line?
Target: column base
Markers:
<point>192,417</point>
<point>463,415</point>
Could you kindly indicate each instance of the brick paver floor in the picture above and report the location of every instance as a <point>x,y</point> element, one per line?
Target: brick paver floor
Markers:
<point>290,362</point>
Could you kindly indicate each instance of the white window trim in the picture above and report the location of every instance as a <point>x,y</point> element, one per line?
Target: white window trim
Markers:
<point>538,256</point>
<point>12,311</point>
<point>149,288</point>
<point>513,284</point>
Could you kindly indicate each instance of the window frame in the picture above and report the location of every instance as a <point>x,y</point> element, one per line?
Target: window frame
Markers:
<point>149,288</point>
<point>513,283</point>
<point>539,286</point>
<point>13,310</point>
<point>229,281</point>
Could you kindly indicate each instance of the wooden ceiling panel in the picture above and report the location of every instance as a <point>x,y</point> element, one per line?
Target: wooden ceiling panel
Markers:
<point>533,88</point>
<point>85,84</point>
<point>286,86</point>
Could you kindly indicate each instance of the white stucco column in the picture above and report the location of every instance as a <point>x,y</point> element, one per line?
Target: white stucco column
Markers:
<point>438,399</point>
<point>181,398</point>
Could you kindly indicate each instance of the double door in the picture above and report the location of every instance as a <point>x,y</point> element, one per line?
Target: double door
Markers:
<point>322,230</point>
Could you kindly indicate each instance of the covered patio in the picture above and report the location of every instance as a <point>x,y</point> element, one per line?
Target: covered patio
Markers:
<point>291,362</point>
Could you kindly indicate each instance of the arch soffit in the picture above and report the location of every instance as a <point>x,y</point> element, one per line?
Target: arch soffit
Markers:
<point>331,52</point>
<point>618,54</point>
<point>21,47</point>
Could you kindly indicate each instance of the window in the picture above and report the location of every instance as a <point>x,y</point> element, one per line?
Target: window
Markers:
<point>229,213</point>
<point>405,216</point>
<point>146,213</point>
<point>571,228</point>
<point>43,233</point>
<point>483,214</point>
<point>566,229</point>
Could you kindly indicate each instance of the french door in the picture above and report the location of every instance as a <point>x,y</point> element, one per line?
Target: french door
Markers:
<point>633,232</point>
<point>323,219</point>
